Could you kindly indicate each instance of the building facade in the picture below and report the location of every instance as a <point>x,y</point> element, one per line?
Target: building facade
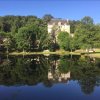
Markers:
<point>58,25</point>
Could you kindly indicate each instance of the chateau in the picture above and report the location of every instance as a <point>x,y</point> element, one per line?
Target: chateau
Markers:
<point>58,25</point>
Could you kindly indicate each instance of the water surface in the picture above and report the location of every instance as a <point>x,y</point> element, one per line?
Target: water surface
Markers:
<point>51,77</point>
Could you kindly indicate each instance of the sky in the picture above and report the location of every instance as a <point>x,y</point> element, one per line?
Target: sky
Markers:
<point>65,9</point>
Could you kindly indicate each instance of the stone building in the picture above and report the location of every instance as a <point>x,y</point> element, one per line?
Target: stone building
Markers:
<point>58,25</point>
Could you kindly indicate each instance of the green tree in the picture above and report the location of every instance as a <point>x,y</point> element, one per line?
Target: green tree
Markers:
<point>64,65</point>
<point>73,25</point>
<point>87,20</point>
<point>86,36</point>
<point>64,40</point>
<point>23,38</point>
<point>47,17</point>
<point>43,38</point>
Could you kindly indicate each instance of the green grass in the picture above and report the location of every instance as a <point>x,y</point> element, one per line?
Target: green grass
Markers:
<point>97,55</point>
<point>60,52</point>
<point>97,50</point>
<point>45,53</point>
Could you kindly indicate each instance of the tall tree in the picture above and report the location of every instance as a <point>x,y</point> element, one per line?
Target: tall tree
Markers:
<point>64,40</point>
<point>73,24</point>
<point>86,36</point>
<point>47,17</point>
<point>87,20</point>
<point>23,38</point>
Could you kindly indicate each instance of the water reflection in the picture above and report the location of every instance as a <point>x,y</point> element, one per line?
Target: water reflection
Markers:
<point>50,70</point>
<point>55,74</point>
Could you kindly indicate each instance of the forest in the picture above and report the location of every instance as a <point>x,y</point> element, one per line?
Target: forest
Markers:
<point>29,33</point>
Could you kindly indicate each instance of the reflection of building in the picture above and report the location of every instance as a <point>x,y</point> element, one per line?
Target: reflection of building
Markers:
<point>55,75</point>
<point>1,43</point>
<point>3,40</point>
<point>65,76</point>
<point>59,77</point>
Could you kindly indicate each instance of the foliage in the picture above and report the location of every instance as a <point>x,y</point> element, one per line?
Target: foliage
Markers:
<point>86,35</point>
<point>34,69</point>
<point>25,32</point>
<point>73,24</point>
<point>47,17</point>
<point>64,66</point>
<point>30,33</point>
<point>23,38</point>
<point>87,20</point>
<point>64,40</point>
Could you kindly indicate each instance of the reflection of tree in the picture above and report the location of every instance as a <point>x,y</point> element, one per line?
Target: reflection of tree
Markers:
<point>64,65</point>
<point>34,69</point>
<point>24,71</point>
<point>48,83</point>
<point>86,73</point>
<point>58,71</point>
<point>88,80</point>
<point>98,62</point>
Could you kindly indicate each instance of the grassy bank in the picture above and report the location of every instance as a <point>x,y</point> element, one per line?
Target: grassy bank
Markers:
<point>96,55</point>
<point>44,53</point>
<point>60,52</point>
<point>92,54</point>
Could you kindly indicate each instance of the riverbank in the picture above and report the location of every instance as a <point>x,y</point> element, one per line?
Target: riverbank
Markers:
<point>44,53</point>
<point>96,55</point>
<point>60,52</point>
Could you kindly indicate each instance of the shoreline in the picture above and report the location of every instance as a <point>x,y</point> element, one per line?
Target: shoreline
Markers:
<point>44,53</point>
<point>96,54</point>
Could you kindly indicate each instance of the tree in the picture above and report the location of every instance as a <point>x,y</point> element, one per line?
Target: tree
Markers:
<point>87,20</point>
<point>73,25</point>
<point>26,31</point>
<point>86,35</point>
<point>43,38</point>
<point>47,17</point>
<point>96,37</point>
<point>33,37</point>
<point>64,65</point>
<point>63,40</point>
<point>24,38</point>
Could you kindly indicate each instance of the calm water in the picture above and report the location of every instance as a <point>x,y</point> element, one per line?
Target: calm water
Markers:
<point>51,77</point>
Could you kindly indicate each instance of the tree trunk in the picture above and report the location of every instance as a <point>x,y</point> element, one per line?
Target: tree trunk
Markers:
<point>7,50</point>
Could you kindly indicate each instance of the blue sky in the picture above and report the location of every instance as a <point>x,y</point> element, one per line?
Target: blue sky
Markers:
<point>67,9</point>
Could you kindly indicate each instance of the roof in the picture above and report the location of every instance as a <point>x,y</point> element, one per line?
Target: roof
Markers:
<point>56,21</point>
